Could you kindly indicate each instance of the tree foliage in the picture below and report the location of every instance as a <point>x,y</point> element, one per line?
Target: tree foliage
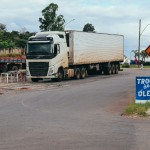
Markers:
<point>21,43</point>
<point>89,28</point>
<point>135,53</point>
<point>14,38</point>
<point>51,21</point>
<point>2,27</point>
<point>3,45</point>
<point>125,56</point>
<point>143,55</point>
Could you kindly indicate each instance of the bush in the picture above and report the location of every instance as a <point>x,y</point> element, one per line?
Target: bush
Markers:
<point>138,108</point>
<point>125,66</point>
<point>146,64</point>
<point>3,45</point>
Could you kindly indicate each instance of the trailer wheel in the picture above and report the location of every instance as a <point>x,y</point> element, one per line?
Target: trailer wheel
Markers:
<point>34,79</point>
<point>100,72</point>
<point>60,75</point>
<point>112,69</point>
<point>107,71</point>
<point>116,69</point>
<point>82,73</point>
<point>77,73</point>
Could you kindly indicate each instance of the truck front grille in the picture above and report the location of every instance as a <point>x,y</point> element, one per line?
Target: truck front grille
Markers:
<point>38,68</point>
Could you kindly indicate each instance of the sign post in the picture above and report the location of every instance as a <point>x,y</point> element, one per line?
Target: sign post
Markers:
<point>142,90</point>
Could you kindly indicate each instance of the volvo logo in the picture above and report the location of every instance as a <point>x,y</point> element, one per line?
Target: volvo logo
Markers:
<point>39,56</point>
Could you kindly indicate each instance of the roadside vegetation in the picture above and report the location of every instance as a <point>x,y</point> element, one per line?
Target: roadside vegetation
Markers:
<point>11,55</point>
<point>133,66</point>
<point>139,109</point>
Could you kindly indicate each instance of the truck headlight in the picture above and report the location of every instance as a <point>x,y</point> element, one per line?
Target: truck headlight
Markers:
<point>27,71</point>
<point>51,70</point>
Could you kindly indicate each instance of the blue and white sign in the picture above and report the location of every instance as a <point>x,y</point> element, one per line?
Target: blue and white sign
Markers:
<point>142,90</point>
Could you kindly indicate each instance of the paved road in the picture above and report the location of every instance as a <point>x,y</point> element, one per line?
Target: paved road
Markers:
<point>84,115</point>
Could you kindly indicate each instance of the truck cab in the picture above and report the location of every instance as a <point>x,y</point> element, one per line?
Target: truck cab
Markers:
<point>46,56</point>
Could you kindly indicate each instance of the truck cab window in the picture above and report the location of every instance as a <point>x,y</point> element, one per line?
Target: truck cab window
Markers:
<point>67,39</point>
<point>56,49</point>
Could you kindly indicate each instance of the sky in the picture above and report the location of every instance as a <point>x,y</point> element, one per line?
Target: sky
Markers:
<point>107,16</point>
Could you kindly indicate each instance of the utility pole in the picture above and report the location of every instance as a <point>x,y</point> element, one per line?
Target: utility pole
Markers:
<point>139,43</point>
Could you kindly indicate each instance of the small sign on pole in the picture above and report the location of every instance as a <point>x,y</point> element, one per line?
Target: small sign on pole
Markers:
<point>142,89</point>
<point>147,51</point>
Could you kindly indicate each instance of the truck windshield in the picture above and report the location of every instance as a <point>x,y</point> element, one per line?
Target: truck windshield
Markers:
<point>39,48</point>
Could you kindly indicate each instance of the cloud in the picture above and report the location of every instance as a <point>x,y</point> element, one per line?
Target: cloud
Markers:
<point>111,16</point>
<point>13,26</point>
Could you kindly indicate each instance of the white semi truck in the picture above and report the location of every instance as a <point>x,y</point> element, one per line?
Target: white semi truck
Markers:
<point>61,54</point>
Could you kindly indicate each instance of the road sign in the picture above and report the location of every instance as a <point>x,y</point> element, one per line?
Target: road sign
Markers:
<point>147,51</point>
<point>142,89</point>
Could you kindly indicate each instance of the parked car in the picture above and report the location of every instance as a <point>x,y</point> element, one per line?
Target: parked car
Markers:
<point>133,62</point>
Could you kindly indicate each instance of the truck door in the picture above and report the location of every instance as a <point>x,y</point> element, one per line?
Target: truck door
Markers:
<point>57,56</point>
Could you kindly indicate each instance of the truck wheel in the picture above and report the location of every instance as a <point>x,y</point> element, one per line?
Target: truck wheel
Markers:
<point>54,79</point>
<point>89,72</point>
<point>100,72</point>
<point>34,79</point>
<point>77,73</point>
<point>112,69</point>
<point>116,69</point>
<point>82,73</point>
<point>60,75</point>
<point>14,68</point>
<point>107,71</point>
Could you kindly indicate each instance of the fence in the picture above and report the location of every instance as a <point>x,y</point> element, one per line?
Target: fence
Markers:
<point>12,50</point>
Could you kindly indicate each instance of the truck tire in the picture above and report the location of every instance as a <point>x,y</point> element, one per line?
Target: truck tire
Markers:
<point>82,73</point>
<point>107,71</point>
<point>100,72</point>
<point>34,79</point>
<point>77,73</point>
<point>89,72</point>
<point>116,69</point>
<point>112,69</point>
<point>14,68</point>
<point>60,75</point>
<point>54,79</point>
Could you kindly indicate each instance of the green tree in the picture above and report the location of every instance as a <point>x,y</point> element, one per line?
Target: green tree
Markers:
<point>1,36</point>
<point>2,27</point>
<point>125,56</point>
<point>3,45</point>
<point>135,53</point>
<point>144,55</point>
<point>21,43</point>
<point>51,21</point>
<point>11,45</point>
<point>14,35</point>
<point>89,28</point>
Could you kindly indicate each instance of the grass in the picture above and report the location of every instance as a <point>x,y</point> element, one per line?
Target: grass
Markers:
<point>136,66</point>
<point>139,109</point>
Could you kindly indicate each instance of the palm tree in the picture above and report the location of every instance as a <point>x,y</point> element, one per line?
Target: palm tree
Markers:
<point>125,56</point>
<point>135,53</point>
<point>143,55</point>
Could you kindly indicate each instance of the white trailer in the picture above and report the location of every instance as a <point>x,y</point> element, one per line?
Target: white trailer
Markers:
<point>58,55</point>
